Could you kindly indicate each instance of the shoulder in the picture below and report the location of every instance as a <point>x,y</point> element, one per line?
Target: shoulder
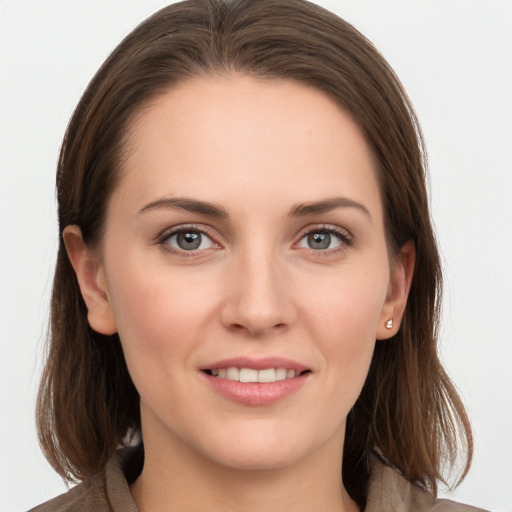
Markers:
<point>108,491</point>
<point>87,496</point>
<point>389,492</point>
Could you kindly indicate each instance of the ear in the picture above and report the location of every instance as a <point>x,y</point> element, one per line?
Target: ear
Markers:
<point>91,279</point>
<point>398,291</point>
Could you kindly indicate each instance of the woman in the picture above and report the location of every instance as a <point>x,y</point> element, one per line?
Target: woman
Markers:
<point>247,284</point>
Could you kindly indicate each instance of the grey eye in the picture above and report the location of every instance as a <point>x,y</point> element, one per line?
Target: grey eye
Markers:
<point>321,240</point>
<point>189,241</point>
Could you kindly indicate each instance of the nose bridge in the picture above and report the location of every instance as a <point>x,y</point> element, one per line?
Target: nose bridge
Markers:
<point>258,300</point>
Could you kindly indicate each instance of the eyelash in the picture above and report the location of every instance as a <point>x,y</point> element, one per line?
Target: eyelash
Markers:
<point>346,239</point>
<point>163,240</point>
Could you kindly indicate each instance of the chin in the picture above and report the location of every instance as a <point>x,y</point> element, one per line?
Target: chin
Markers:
<point>263,450</point>
<point>256,460</point>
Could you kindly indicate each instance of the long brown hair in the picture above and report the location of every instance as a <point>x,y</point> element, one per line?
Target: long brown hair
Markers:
<point>408,412</point>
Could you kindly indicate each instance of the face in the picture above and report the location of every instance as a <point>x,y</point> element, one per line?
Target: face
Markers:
<point>244,266</point>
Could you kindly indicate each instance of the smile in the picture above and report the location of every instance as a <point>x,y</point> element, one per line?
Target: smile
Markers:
<point>256,382</point>
<point>265,375</point>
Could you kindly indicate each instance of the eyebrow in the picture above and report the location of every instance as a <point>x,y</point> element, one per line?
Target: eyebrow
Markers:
<point>189,205</point>
<point>327,205</point>
<point>213,210</point>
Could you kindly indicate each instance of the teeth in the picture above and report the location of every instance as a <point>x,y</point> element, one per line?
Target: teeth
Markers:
<point>233,374</point>
<point>281,373</point>
<point>252,375</point>
<point>248,375</point>
<point>267,375</point>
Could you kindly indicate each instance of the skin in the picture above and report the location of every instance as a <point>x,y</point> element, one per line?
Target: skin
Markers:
<point>255,287</point>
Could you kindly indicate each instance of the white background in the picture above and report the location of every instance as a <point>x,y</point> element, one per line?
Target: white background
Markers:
<point>455,60</point>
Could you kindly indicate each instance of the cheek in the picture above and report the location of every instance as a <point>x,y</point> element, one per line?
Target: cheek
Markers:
<point>344,321</point>
<point>347,305</point>
<point>159,313</point>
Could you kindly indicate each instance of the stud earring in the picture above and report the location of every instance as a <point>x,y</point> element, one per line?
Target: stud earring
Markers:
<point>389,324</point>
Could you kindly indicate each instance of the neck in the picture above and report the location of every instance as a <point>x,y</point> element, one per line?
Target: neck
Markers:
<point>176,478</point>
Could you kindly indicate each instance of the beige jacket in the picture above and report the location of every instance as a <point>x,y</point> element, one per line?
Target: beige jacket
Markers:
<point>109,492</point>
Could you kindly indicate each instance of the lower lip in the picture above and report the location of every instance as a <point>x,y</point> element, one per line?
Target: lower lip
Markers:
<point>256,393</point>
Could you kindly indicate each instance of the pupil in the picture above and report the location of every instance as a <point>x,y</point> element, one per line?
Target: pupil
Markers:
<point>189,241</point>
<point>319,240</point>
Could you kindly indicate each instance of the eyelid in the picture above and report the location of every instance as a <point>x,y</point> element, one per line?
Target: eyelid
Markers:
<point>167,233</point>
<point>344,234</point>
<point>331,228</point>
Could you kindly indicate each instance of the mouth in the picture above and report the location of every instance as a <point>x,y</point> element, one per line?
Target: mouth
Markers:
<point>248,375</point>
<point>256,382</point>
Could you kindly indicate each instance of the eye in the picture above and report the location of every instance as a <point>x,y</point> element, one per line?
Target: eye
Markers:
<point>188,240</point>
<point>324,239</point>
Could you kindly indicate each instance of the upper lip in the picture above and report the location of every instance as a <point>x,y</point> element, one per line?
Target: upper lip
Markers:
<point>256,364</point>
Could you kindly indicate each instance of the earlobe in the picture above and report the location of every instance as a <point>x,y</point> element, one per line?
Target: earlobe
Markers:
<point>398,292</point>
<point>91,279</point>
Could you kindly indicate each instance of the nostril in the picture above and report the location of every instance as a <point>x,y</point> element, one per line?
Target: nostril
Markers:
<point>255,329</point>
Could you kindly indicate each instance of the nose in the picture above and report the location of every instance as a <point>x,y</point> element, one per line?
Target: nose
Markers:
<point>258,296</point>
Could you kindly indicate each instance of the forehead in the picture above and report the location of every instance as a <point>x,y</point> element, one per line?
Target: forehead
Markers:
<point>210,135</point>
